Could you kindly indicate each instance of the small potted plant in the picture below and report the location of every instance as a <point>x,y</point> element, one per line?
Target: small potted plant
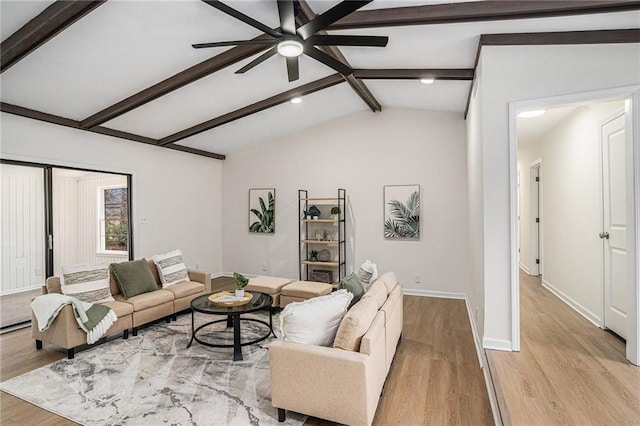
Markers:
<point>313,256</point>
<point>241,283</point>
<point>335,212</point>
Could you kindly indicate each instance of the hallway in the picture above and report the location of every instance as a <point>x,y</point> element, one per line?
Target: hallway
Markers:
<point>568,370</point>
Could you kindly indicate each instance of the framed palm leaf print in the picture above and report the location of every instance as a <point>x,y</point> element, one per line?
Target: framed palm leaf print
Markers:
<point>262,210</point>
<point>402,212</point>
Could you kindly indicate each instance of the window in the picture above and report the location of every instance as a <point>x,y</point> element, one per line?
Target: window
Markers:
<point>113,224</point>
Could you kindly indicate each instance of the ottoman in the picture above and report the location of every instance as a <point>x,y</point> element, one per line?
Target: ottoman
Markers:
<point>270,285</point>
<point>303,290</point>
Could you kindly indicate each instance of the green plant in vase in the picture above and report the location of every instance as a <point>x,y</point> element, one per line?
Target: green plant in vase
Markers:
<point>313,256</point>
<point>335,212</point>
<point>241,283</point>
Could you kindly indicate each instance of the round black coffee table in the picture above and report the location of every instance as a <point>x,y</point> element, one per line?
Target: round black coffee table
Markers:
<point>203,305</point>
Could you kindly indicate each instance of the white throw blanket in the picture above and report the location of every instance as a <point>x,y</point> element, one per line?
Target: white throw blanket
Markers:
<point>94,319</point>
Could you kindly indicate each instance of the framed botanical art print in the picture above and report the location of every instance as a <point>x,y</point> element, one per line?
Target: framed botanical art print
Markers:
<point>402,212</point>
<point>262,210</point>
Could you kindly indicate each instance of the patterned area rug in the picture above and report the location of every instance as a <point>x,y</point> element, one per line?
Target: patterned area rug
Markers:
<point>154,379</point>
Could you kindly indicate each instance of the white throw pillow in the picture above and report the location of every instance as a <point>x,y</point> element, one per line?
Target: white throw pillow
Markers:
<point>171,268</point>
<point>368,273</point>
<point>89,283</point>
<point>314,321</point>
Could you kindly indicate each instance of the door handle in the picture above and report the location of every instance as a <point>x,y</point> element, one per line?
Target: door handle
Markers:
<point>604,235</point>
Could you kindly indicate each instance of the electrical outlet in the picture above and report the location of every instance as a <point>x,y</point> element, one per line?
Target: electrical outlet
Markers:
<point>143,220</point>
<point>417,279</point>
<point>265,267</point>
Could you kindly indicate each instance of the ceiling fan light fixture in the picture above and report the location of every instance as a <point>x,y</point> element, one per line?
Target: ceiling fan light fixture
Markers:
<point>290,48</point>
<point>296,100</point>
<point>427,80</point>
<point>532,113</point>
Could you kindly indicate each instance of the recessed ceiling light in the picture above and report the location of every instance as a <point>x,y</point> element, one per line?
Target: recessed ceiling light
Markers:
<point>427,80</point>
<point>290,48</point>
<point>296,100</point>
<point>532,113</point>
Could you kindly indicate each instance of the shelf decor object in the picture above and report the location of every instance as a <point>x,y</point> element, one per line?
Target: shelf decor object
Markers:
<point>262,210</point>
<point>322,237</point>
<point>402,212</point>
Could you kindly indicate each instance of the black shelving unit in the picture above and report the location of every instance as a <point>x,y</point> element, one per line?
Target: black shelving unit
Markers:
<point>310,239</point>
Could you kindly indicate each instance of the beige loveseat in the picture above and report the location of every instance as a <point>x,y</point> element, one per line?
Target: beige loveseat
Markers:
<point>335,384</point>
<point>131,313</point>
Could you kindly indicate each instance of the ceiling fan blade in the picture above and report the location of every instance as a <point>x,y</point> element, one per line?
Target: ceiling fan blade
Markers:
<point>332,15</point>
<point>329,61</point>
<point>347,40</point>
<point>233,43</point>
<point>242,17</point>
<point>266,55</point>
<point>293,68</point>
<point>287,16</point>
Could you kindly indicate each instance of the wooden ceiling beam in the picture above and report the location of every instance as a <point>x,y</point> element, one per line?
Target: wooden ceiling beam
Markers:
<point>42,28</point>
<point>74,124</point>
<point>196,72</point>
<point>278,99</point>
<point>306,15</point>
<point>489,10</point>
<point>631,35</point>
<point>414,74</point>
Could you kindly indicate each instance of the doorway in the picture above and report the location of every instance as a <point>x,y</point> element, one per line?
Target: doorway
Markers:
<point>53,216</point>
<point>588,171</point>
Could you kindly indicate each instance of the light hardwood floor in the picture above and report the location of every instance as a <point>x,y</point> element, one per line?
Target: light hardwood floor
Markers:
<point>435,378</point>
<point>15,308</point>
<point>568,370</point>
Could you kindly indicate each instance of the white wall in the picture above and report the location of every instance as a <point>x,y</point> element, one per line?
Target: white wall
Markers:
<point>475,206</point>
<point>178,194</point>
<point>572,207</point>
<point>360,153</point>
<point>514,73</point>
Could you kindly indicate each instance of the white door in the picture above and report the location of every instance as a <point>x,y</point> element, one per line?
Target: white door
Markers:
<point>614,232</point>
<point>535,220</point>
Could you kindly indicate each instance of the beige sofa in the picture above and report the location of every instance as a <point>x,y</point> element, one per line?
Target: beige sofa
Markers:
<point>131,313</point>
<point>335,384</point>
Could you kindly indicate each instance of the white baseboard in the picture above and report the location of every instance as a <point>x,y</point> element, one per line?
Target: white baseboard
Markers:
<point>525,269</point>
<point>429,293</point>
<point>474,332</point>
<point>590,316</point>
<point>497,344</point>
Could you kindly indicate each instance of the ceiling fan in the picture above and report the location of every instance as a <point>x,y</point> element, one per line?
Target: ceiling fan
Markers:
<point>291,42</point>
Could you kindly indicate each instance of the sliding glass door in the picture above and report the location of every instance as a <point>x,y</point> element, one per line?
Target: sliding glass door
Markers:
<point>53,216</point>
<point>90,218</point>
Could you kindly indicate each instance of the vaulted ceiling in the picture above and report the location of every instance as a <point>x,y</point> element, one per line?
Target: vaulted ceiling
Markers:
<point>127,68</point>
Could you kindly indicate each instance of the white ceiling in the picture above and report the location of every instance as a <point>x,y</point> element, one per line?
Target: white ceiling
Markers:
<point>123,47</point>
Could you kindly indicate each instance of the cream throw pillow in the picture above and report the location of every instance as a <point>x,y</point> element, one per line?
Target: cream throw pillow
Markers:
<point>314,321</point>
<point>89,283</point>
<point>355,324</point>
<point>171,268</point>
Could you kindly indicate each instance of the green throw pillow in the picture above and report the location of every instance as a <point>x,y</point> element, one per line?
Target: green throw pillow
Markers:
<point>353,285</point>
<point>134,277</point>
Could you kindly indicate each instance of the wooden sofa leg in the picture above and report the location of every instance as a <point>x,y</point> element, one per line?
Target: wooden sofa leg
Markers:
<point>168,319</point>
<point>281,415</point>
<point>175,317</point>
<point>125,334</point>
<point>134,331</point>
<point>71,353</point>
<point>38,344</point>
